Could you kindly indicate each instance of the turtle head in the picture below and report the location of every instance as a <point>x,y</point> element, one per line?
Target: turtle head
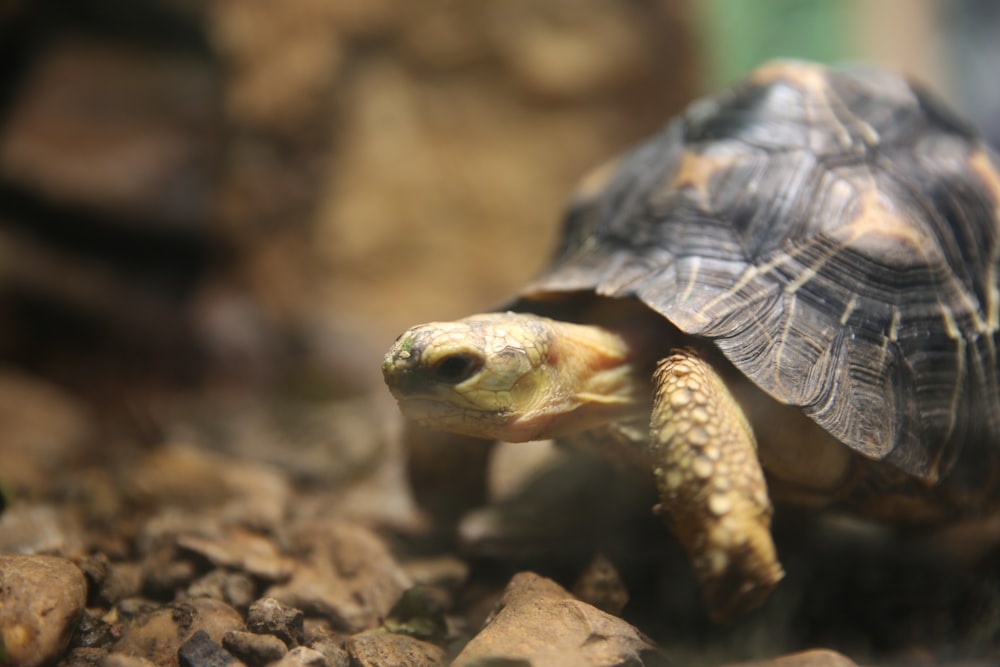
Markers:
<point>510,376</point>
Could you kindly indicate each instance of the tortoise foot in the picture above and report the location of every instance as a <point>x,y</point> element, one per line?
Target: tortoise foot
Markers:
<point>736,567</point>
<point>712,486</point>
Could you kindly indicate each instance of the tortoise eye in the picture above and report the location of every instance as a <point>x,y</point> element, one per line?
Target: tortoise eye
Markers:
<point>457,367</point>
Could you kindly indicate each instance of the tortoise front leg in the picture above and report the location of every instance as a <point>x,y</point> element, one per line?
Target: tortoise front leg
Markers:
<point>712,486</point>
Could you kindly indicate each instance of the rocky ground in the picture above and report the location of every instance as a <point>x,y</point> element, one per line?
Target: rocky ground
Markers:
<point>260,534</point>
<point>214,218</point>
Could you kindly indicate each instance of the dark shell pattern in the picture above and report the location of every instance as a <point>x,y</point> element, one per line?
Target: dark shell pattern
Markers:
<point>835,234</point>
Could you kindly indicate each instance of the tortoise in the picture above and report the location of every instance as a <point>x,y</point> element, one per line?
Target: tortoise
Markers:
<point>794,284</point>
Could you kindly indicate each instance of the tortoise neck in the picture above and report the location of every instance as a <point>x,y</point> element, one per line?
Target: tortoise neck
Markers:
<point>603,376</point>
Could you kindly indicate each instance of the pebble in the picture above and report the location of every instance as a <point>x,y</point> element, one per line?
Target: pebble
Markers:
<point>376,649</point>
<point>539,622</point>
<point>241,549</point>
<point>133,607</point>
<point>334,654</point>
<point>164,577</point>
<point>201,651</point>
<point>41,600</point>
<point>269,616</point>
<point>233,588</point>
<point>321,637</point>
<point>93,631</point>
<point>303,656</point>
<point>254,649</point>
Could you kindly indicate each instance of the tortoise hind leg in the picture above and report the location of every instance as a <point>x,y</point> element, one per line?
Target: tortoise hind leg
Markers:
<point>712,486</point>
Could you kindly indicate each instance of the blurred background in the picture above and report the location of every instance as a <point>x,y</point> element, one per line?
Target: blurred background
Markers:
<point>261,194</point>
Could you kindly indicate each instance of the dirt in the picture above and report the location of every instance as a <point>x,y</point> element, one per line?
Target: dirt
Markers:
<point>265,556</point>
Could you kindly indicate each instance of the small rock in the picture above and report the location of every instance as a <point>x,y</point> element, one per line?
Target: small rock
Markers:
<point>166,576</point>
<point>41,601</point>
<point>96,568</point>
<point>326,640</point>
<point>123,581</point>
<point>374,649</point>
<point>271,617</point>
<point>92,631</point>
<point>200,651</point>
<point>349,577</point>
<point>133,607</point>
<point>321,630</point>
<point>158,634</point>
<point>241,549</point>
<point>302,657</point>
<point>814,658</point>
<point>254,649</point>
<point>540,622</point>
<point>335,656</point>
<point>234,588</point>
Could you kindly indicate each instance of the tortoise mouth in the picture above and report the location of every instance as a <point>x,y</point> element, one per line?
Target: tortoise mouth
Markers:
<point>433,412</point>
<point>417,408</point>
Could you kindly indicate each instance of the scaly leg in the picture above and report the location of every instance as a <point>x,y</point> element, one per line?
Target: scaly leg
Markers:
<point>712,486</point>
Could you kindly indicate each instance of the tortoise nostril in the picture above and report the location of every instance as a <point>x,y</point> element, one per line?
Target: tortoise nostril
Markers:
<point>457,367</point>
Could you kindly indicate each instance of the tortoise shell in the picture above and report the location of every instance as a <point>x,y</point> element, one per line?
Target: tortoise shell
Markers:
<point>835,234</point>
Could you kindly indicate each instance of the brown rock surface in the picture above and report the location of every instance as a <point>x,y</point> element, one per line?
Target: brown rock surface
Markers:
<point>374,649</point>
<point>41,600</point>
<point>254,649</point>
<point>302,656</point>
<point>540,622</point>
